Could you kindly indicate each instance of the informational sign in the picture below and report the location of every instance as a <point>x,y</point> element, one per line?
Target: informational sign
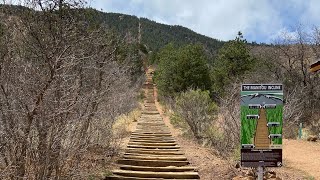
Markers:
<point>261,125</point>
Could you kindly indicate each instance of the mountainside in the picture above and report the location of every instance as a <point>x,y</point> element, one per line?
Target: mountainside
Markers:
<point>154,35</point>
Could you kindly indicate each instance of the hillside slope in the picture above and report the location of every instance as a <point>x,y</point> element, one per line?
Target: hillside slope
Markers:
<point>154,35</point>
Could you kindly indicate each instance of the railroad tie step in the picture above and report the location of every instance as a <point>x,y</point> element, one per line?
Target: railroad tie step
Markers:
<point>117,177</point>
<point>152,163</point>
<point>166,158</point>
<point>153,139</point>
<point>160,152</point>
<point>153,147</point>
<point>137,140</point>
<point>158,169</point>
<point>152,144</point>
<point>150,174</point>
<point>150,134</point>
<point>152,155</point>
<point>150,138</point>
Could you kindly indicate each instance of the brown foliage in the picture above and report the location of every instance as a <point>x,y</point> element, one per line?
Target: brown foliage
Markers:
<point>288,62</point>
<point>61,88</point>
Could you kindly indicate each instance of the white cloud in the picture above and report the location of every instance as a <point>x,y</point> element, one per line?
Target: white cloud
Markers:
<point>284,35</point>
<point>221,19</point>
<point>311,15</point>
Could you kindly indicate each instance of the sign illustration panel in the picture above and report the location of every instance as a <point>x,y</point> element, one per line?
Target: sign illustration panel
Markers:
<point>261,125</point>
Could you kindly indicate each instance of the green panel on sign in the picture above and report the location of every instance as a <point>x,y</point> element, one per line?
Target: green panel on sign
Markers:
<point>263,103</point>
<point>275,115</point>
<point>248,127</point>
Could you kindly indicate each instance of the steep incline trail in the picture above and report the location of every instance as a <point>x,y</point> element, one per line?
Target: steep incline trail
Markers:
<point>152,152</point>
<point>261,140</point>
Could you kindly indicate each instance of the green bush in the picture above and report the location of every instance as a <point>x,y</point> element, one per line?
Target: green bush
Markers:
<point>198,110</point>
<point>182,69</point>
<point>177,121</point>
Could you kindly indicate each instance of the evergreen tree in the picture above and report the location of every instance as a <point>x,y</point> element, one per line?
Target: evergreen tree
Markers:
<point>182,69</point>
<point>233,61</point>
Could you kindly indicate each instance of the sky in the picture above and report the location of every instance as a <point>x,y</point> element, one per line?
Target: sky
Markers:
<point>258,20</point>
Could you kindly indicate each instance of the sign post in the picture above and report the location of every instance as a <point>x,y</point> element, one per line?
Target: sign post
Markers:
<point>261,126</point>
<point>300,131</point>
<point>260,173</point>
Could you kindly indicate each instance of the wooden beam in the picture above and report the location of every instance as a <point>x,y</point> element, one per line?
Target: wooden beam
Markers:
<point>315,66</point>
<point>160,175</point>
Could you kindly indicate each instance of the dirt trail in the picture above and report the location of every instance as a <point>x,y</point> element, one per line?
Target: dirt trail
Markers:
<point>209,166</point>
<point>302,155</point>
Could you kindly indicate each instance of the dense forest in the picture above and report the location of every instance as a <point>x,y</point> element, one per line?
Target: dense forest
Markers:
<point>155,35</point>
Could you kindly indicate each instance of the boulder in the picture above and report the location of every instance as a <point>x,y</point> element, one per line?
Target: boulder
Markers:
<point>250,173</point>
<point>312,138</point>
<point>238,165</point>
<point>243,178</point>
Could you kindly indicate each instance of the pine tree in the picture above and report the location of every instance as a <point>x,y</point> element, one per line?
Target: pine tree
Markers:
<point>233,61</point>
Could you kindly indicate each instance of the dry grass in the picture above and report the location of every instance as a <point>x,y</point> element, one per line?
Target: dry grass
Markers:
<point>306,133</point>
<point>97,164</point>
<point>123,125</point>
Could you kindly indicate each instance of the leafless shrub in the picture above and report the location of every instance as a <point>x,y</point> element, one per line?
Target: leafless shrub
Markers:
<point>61,87</point>
<point>288,62</point>
<point>229,120</point>
<point>315,124</point>
<point>292,112</point>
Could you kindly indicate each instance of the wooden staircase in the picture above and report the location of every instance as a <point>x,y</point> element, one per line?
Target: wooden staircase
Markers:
<point>261,139</point>
<point>152,152</point>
